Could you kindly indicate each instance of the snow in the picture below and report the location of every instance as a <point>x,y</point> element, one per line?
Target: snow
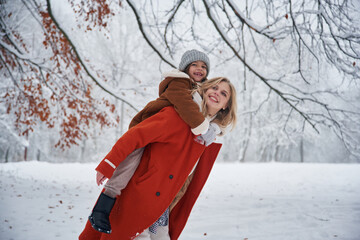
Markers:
<point>258,201</point>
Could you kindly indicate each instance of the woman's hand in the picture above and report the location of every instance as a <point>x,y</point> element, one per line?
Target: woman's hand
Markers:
<point>100,178</point>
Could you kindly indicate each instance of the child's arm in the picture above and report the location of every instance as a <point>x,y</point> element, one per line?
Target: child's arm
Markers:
<point>209,137</point>
<point>178,92</point>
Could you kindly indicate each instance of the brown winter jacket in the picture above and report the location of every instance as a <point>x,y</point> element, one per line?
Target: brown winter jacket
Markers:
<point>175,90</point>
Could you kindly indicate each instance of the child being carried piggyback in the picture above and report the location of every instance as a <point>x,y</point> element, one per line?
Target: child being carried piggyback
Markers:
<point>175,90</point>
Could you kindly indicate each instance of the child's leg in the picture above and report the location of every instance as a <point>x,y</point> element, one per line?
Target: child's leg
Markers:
<point>99,217</point>
<point>123,173</point>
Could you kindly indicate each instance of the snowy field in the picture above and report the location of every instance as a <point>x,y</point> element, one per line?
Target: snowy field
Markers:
<point>270,201</point>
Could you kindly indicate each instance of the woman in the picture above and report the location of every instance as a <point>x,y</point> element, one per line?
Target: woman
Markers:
<point>175,90</point>
<point>171,153</point>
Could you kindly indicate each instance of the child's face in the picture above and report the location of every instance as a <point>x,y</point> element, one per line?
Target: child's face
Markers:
<point>197,71</point>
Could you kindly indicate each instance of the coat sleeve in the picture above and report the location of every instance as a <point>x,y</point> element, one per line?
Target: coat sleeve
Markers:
<point>154,129</point>
<point>179,94</point>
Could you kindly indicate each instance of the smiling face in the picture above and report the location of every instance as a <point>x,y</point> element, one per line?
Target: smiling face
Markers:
<point>197,71</point>
<point>217,97</point>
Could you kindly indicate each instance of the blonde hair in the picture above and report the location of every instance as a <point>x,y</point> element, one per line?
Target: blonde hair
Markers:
<point>224,117</point>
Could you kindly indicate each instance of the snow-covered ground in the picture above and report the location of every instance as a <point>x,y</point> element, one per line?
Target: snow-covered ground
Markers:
<point>270,201</point>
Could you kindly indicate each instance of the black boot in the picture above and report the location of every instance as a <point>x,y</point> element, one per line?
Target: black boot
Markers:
<point>99,218</point>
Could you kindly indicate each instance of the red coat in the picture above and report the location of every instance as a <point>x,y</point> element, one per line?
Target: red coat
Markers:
<point>169,156</point>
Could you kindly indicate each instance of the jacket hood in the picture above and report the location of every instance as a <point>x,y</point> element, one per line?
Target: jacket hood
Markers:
<point>168,76</point>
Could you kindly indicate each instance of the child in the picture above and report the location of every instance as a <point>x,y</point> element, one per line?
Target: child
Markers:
<point>174,90</point>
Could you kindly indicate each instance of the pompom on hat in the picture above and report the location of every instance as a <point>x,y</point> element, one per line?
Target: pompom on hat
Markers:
<point>193,56</point>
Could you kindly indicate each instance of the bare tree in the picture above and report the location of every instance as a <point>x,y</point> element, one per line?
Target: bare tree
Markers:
<point>287,45</point>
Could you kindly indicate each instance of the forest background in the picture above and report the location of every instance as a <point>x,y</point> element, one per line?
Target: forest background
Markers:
<point>73,74</point>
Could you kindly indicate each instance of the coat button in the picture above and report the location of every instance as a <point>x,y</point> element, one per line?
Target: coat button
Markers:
<point>157,193</point>
<point>171,176</point>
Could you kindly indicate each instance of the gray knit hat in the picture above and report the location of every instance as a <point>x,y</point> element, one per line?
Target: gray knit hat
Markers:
<point>193,56</point>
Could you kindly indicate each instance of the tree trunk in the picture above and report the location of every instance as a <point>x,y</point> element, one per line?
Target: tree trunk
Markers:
<point>38,155</point>
<point>302,150</point>
<point>7,155</point>
<point>25,154</point>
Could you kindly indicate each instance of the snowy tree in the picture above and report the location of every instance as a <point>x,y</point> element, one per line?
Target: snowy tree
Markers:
<point>45,78</point>
<point>295,65</point>
<point>49,82</point>
<point>305,53</point>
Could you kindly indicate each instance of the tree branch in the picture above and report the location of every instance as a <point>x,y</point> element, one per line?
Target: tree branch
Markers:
<point>172,16</point>
<point>132,6</point>
<point>263,79</point>
<point>81,62</point>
